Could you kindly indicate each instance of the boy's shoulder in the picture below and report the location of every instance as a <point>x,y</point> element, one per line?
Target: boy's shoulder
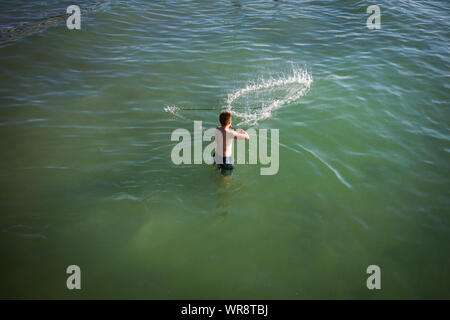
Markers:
<point>227,131</point>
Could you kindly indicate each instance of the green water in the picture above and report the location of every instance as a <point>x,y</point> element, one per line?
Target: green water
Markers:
<point>86,176</point>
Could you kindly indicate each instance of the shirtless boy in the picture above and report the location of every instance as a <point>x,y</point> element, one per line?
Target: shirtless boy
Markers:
<point>224,137</point>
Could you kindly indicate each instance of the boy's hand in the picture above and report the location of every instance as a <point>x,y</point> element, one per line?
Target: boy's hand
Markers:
<point>244,135</point>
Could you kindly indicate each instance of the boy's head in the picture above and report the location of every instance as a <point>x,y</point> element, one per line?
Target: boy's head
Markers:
<point>225,118</point>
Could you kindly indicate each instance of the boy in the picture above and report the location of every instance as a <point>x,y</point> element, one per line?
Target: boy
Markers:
<point>224,137</point>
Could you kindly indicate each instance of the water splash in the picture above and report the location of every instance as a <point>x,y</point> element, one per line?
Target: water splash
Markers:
<point>259,99</point>
<point>172,109</point>
<point>175,111</point>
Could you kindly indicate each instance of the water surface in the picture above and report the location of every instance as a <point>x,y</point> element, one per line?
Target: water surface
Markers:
<point>86,176</point>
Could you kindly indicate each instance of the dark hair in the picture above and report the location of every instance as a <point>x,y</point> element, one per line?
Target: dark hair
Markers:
<point>225,118</point>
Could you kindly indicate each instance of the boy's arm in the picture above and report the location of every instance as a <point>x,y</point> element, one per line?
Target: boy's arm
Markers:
<point>241,134</point>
